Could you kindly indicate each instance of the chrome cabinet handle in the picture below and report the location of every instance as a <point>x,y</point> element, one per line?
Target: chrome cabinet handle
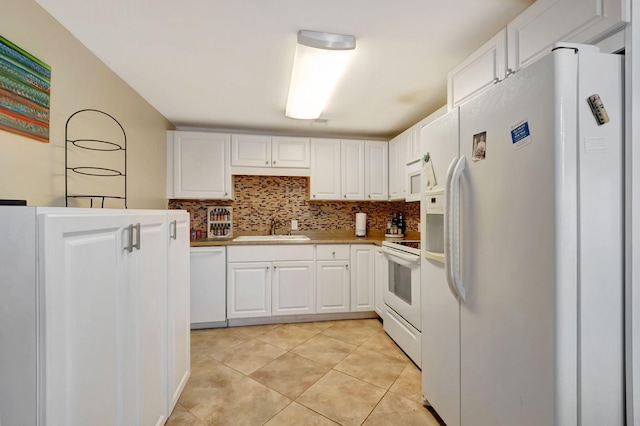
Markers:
<point>510,72</point>
<point>173,235</point>
<point>137,228</point>
<point>345,195</point>
<point>314,195</point>
<point>266,162</point>
<point>274,162</point>
<point>346,266</point>
<point>129,247</point>
<point>496,80</point>
<point>333,253</point>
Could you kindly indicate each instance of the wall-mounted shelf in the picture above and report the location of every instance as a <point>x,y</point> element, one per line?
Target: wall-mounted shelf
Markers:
<point>219,222</point>
<point>107,136</point>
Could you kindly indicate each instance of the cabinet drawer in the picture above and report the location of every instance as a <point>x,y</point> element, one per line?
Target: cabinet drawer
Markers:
<point>269,253</point>
<point>332,251</point>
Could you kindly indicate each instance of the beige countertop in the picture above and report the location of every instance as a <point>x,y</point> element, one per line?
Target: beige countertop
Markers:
<point>315,238</point>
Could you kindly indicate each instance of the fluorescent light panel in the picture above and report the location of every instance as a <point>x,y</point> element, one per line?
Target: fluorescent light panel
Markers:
<point>319,62</point>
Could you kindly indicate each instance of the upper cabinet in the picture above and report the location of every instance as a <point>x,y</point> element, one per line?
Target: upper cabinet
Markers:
<point>546,22</point>
<point>376,170</point>
<point>198,165</point>
<point>531,35</point>
<point>397,163</point>
<point>352,176</point>
<point>325,169</point>
<point>270,151</point>
<point>485,67</point>
<point>349,170</point>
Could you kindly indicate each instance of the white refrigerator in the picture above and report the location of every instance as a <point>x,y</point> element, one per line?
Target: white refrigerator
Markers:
<point>523,321</point>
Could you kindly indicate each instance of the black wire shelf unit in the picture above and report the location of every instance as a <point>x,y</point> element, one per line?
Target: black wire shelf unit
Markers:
<point>95,144</point>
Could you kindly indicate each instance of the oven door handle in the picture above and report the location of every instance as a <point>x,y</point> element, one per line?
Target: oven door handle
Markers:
<point>406,257</point>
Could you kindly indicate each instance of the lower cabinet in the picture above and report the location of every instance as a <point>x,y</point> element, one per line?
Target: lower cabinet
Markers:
<point>102,313</point>
<point>248,289</point>
<point>380,281</point>
<point>293,288</point>
<point>333,279</point>
<point>362,278</point>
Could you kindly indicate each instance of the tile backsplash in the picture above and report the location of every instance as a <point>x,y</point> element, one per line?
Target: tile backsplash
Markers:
<point>258,199</point>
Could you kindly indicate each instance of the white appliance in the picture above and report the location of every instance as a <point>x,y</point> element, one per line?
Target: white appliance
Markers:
<point>402,296</point>
<point>523,322</point>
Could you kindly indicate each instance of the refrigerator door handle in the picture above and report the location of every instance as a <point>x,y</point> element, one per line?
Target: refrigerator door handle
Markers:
<point>455,228</point>
<point>447,228</point>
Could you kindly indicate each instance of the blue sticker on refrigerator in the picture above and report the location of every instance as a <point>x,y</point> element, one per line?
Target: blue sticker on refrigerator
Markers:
<point>520,134</point>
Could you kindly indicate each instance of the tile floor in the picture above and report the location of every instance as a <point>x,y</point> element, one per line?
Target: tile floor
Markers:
<point>320,373</point>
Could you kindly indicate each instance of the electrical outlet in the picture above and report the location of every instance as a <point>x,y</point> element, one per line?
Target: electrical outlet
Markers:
<point>294,224</point>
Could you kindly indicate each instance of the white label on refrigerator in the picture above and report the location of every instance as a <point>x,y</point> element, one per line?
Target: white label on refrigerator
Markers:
<point>520,134</point>
<point>595,145</point>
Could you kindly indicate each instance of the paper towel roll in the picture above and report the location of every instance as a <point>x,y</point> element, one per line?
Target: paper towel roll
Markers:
<point>361,224</point>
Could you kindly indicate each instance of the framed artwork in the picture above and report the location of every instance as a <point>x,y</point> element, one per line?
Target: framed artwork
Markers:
<point>24,92</point>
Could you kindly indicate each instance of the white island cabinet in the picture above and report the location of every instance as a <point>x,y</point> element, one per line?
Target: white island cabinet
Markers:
<point>99,348</point>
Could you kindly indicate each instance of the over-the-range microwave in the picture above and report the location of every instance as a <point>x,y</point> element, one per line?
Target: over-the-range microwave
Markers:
<point>414,171</point>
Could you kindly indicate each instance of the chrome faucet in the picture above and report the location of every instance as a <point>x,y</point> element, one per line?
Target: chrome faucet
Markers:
<point>274,224</point>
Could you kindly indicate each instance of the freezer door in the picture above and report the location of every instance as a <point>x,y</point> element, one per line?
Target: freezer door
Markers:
<point>440,308</point>
<point>526,329</point>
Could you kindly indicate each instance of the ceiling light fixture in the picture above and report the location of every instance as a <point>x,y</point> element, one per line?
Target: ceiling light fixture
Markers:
<point>319,61</point>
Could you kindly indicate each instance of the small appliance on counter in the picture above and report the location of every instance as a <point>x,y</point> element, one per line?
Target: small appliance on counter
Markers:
<point>361,224</point>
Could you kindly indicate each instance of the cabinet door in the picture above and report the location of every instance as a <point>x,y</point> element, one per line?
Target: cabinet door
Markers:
<point>533,33</point>
<point>178,305</point>
<point>251,150</point>
<point>362,276</point>
<point>414,152</point>
<point>377,170</point>
<point>381,280</point>
<point>290,152</point>
<point>352,176</point>
<point>248,289</point>
<point>332,286</point>
<point>201,165</point>
<point>293,288</point>
<point>86,301</point>
<point>325,169</point>
<point>148,282</point>
<point>485,67</point>
<point>208,284</point>
<point>397,164</point>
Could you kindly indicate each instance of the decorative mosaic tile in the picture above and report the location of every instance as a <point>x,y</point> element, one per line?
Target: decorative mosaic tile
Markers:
<point>258,199</point>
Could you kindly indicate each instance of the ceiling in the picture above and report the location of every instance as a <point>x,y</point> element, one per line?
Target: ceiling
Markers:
<point>226,64</point>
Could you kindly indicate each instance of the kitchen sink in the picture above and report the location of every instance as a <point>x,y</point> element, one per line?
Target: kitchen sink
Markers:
<point>272,238</point>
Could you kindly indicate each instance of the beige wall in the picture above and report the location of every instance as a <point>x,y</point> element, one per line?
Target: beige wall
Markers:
<point>34,170</point>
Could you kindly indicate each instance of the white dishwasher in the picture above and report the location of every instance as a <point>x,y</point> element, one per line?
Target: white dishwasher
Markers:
<point>208,287</point>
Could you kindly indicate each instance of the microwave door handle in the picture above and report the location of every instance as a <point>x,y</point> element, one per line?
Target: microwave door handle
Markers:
<point>447,228</point>
<point>455,228</point>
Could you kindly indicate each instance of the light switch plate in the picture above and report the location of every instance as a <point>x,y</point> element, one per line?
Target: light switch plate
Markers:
<point>294,224</point>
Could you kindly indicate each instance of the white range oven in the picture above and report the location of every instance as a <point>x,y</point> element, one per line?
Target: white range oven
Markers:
<point>402,296</point>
